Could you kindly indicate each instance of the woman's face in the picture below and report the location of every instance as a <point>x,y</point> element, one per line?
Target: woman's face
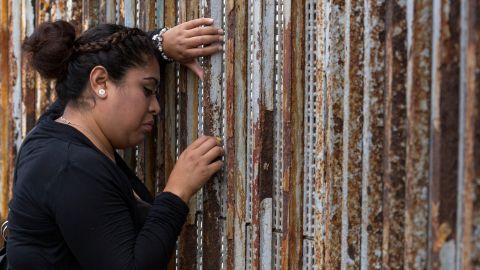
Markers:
<point>131,105</point>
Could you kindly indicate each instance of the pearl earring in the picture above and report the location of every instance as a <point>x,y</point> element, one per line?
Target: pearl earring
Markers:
<point>102,92</point>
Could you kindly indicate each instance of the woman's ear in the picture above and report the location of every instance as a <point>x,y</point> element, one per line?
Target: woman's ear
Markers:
<point>98,81</point>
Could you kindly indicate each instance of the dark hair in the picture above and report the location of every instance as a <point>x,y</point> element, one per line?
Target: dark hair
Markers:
<point>57,54</point>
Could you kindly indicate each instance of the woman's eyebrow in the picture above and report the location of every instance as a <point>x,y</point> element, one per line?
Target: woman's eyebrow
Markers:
<point>152,78</point>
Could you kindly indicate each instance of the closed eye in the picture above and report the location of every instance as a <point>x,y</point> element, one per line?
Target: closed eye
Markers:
<point>148,92</point>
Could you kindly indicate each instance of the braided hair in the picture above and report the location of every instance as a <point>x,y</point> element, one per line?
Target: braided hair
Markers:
<point>56,53</point>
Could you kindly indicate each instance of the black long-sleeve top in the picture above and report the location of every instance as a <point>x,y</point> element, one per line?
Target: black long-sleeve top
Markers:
<point>74,208</point>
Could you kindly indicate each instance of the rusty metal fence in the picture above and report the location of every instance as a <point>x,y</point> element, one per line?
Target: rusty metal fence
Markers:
<point>351,128</point>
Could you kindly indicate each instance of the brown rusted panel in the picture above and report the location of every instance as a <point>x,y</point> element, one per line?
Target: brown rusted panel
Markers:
<point>211,223</point>
<point>287,135</point>
<point>76,16</point>
<point>333,134</point>
<point>120,17</point>
<point>395,136</point>
<point>293,96</point>
<point>231,138</point>
<point>101,10</point>
<point>94,13</point>
<point>43,87</point>
<point>28,75</point>
<point>418,133</point>
<point>169,109</point>
<point>321,99</point>
<point>5,109</point>
<point>352,128</point>
<point>237,25</point>
<point>29,94</point>
<point>150,15</point>
<point>148,159</point>
<point>170,98</point>
<point>188,123</point>
<point>469,174</point>
<point>444,157</point>
<point>373,129</point>
<point>160,173</point>
<point>266,163</point>
<point>474,88</point>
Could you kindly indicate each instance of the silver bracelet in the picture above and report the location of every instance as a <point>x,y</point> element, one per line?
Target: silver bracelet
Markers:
<point>158,38</point>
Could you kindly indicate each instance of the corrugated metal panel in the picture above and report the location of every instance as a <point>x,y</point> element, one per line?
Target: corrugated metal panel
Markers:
<point>351,128</point>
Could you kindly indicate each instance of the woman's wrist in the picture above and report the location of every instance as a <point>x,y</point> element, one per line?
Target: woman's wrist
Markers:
<point>178,192</point>
<point>159,41</point>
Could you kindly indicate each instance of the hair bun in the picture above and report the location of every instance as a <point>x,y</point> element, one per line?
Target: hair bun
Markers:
<point>50,47</point>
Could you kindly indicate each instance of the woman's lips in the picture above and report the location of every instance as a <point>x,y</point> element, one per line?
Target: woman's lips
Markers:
<point>148,125</point>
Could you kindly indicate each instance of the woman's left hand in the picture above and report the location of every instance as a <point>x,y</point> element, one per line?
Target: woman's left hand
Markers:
<point>182,42</point>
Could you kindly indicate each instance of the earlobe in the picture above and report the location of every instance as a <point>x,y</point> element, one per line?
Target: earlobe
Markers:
<point>102,93</point>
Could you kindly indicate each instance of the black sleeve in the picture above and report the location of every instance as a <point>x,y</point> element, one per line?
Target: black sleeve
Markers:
<point>95,221</point>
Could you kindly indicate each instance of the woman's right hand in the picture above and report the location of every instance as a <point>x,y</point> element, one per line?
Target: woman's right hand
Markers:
<point>194,167</point>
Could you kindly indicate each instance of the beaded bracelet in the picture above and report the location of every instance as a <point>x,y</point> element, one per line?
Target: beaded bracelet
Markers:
<point>159,39</point>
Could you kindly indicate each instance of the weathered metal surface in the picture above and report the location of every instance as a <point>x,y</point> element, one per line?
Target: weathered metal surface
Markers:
<point>309,134</point>
<point>395,136</point>
<point>237,37</point>
<point>335,35</point>
<point>5,120</point>
<point>444,119</point>
<point>352,136</point>
<point>188,132</point>
<point>373,128</point>
<point>214,203</point>
<point>294,85</point>
<point>419,42</point>
<point>28,76</point>
<point>467,236</point>
<point>351,128</point>
<point>319,229</point>
<point>278,140</point>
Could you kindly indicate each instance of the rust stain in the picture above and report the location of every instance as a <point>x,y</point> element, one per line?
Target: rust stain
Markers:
<point>333,136</point>
<point>395,138</point>
<point>320,140</point>
<point>471,144</point>
<point>6,139</point>
<point>417,149</point>
<point>353,145</point>
<point>444,167</point>
<point>230,130</point>
<point>399,160</point>
<point>443,233</point>
<point>287,137</point>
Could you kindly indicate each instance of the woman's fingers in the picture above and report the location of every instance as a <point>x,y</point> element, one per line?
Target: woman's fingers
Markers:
<point>197,143</point>
<point>205,51</point>
<point>194,42</point>
<point>215,167</point>
<point>207,145</point>
<point>204,31</point>
<point>197,22</point>
<point>195,67</point>
<point>212,154</point>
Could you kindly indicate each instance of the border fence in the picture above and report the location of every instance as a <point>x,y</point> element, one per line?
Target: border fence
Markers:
<point>351,128</point>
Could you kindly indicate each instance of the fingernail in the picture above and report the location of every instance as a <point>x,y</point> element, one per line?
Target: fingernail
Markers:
<point>220,38</point>
<point>220,48</point>
<point>220,31</point>
<point>219,140</point>
<point>210,20</point>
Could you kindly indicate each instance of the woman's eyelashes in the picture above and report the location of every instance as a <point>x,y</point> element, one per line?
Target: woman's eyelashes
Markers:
<point>149,92</point>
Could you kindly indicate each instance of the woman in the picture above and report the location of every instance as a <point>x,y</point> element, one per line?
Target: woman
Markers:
<point>76,204</point>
